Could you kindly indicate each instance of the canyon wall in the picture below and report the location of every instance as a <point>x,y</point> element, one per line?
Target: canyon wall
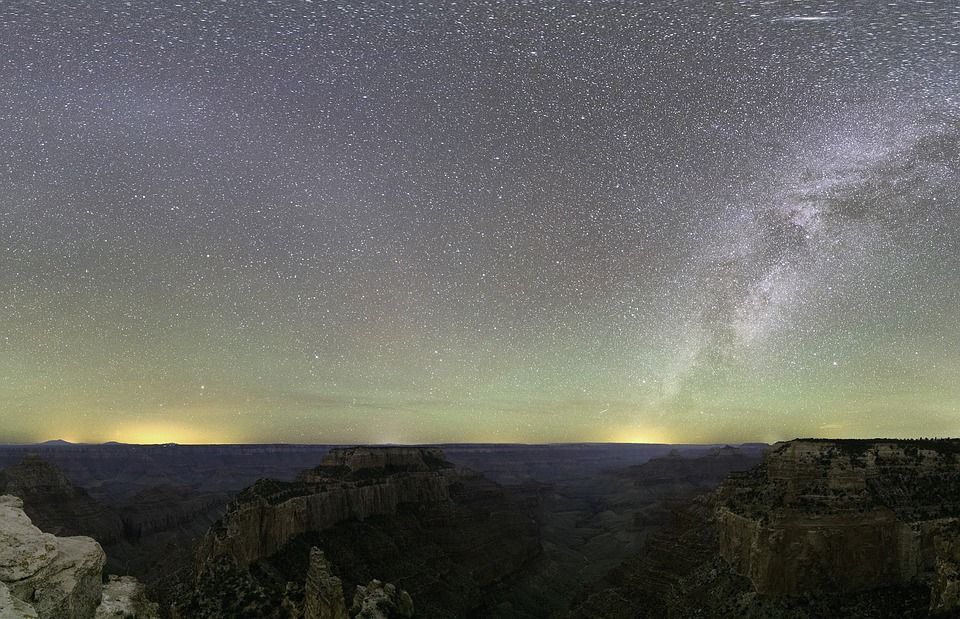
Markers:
<point>269,514</point>
<point>844,516</point>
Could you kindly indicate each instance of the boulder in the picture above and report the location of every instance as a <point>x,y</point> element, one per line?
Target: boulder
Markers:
<point>59,576</point>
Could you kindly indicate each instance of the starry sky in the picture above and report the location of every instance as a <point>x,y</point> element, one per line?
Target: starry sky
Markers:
<point>536,221</point>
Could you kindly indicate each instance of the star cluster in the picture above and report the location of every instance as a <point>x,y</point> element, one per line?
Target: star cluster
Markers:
<point>314,221</point>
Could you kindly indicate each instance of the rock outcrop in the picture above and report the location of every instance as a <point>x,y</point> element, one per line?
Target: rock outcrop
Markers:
<point>323,592</point>
<point>377,600</point>
<point>324,599</point>
<point>14,608</point>
<point>841,515</point>
<point>350,484</point>
<point>51,577</point>
<point>58,576</point>
<point>945,589</point>
<point>124,597</point>
<point>402,515</point>
<point>819,529</point>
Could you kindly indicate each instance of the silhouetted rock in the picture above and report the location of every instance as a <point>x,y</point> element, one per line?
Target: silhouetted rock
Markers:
<point>351,484</point>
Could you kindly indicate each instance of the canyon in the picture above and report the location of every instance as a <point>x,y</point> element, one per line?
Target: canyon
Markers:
<point>806,528</point>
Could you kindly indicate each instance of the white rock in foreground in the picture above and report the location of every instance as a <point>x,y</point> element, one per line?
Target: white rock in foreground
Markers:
<point>124,596</point>
<point>58,576</point>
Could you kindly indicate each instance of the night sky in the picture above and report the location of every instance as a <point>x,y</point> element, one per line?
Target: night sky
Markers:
<point>478,221</point>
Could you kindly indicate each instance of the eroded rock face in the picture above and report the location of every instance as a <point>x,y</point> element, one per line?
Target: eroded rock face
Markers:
<point>945,590</point>
<point>378,600</point>
<point>843,516</point>
<point>405,516</point>
<point>51,577</point>
<point>58,576</point>
<point>124,597</point>
<point>323,592</point>
<point>14,608</point>
<point>351,484</point>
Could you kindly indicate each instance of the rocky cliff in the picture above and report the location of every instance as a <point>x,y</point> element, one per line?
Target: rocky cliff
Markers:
<point>819,529</point>
<point>843,515</point>
<point>350,484</point>
<point>45,576</point>
<point>323,592</point>
<point>401,515</point>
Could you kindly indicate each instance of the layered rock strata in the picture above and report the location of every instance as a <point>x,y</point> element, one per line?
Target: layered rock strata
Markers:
<point>843,515</point>
<point>402,515</point>
<point>58,576</point>
<point>350,484</point>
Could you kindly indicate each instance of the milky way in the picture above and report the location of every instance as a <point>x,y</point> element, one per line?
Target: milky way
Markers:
<point>478,221</point>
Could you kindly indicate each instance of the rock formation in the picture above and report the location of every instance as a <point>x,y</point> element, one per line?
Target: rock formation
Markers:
<point>323,595</point>
<point>58,576</point>
<point>14,608</point>
<point>945,589</point>
<point>45,576</point>
<point>392,514</point>
<point>819,529</point>
<point>323,592</point>
<point>843,515</point>
<point>377,600</point>
<point>124,596</point>
<point>350,484</point>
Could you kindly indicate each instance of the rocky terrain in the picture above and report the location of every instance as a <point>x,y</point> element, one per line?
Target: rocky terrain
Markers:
<point>405,516</point>
<point>821,528</point>
<point>848,515</point>
<point>151,536</point>
<point>45,576</point>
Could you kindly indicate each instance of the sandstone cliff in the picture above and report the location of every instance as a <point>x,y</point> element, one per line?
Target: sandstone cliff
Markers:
<point>58,576</point>
<point>820,529</point>
<point>388,514</point>
<point>124,596</point>
<point>842,515</point>
<point>350,484</point>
